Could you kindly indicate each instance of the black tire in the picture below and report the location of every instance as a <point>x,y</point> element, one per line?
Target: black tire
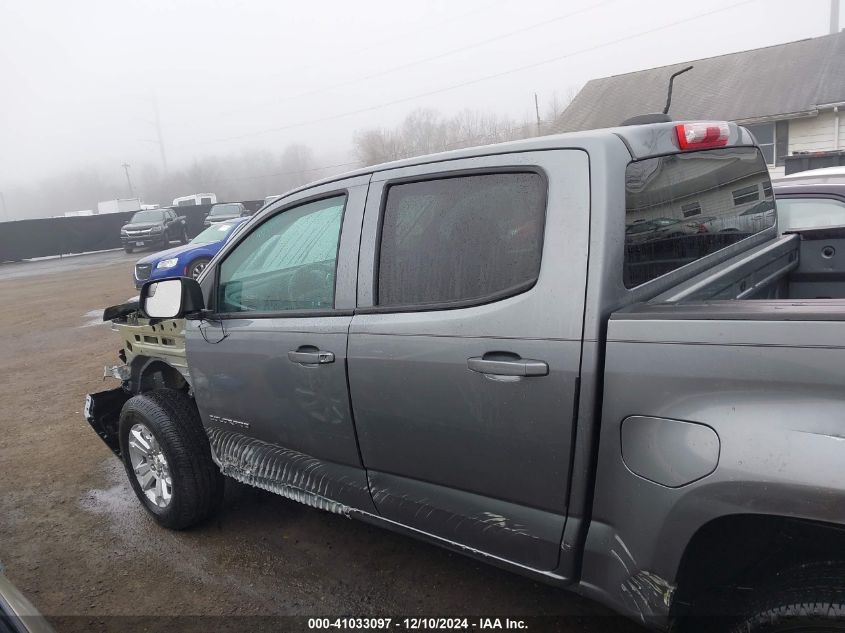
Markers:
<point>128,249</point>
<point>197,484</point>
<point>197,266</point>
<point>806,599</point>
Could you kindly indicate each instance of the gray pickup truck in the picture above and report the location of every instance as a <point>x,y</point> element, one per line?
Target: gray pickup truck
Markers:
<point>586,358</point>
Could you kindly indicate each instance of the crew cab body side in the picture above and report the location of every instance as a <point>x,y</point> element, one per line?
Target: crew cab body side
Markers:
<point>456,347</point>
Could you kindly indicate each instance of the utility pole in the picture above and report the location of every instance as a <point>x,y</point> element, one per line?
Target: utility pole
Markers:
<point>537,110</point>
<point>834,17</point>
<point>128,180</point>
<point>160,135</point>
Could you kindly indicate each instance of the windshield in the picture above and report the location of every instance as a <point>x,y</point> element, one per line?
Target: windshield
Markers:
<point>147,216</point>
<point>214,233</point>
<point>808,213</point>
<point>225,209</point>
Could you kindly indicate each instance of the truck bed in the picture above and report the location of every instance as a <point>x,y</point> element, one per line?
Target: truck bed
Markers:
<point>807,265</point>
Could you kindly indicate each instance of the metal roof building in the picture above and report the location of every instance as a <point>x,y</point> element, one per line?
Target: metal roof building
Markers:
<point>789,94</point>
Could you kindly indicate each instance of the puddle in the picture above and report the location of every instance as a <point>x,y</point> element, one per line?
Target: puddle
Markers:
<point>94,317</point>
<point>118,500</point>
<point>123,514</point>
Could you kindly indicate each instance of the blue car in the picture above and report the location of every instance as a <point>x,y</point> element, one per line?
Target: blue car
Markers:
<point>188,260</point>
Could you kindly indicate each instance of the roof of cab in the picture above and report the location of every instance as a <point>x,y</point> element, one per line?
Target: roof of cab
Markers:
<point>641,140</point>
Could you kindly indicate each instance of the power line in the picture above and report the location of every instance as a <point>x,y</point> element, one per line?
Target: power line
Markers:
<point>403,36</point>
<point>477,80</point>
<point>425,60</point>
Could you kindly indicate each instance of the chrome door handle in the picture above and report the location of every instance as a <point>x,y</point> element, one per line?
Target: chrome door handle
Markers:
<point>521,367</point>
<point>310,358</point>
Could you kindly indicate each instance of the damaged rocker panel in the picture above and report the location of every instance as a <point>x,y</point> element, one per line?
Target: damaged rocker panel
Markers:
<point>339,489</point>
<point>289,473</point>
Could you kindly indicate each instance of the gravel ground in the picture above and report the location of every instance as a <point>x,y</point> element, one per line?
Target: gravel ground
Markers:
<point>76,542</point>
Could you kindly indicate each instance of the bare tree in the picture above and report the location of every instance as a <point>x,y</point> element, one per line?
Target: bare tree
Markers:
<point>296,164</point>
<point>556,106</point>
<point>375,146</point>
<point>425,131</point>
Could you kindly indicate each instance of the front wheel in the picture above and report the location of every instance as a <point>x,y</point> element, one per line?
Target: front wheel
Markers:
<point>807,599</point>
<point>168,459</point>
<point>197,266</point>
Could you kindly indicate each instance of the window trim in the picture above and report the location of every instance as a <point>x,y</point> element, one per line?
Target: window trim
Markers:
<point>281,314</point>
<point>500,295</point>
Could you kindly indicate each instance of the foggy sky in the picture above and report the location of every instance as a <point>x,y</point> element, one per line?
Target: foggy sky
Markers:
<point>79,80</point>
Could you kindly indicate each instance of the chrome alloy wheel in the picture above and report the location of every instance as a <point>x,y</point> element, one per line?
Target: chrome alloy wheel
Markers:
<point>150,466</point>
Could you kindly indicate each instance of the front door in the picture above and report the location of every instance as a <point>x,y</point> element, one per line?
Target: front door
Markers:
<point>268,368</point>
<point>464,353</point>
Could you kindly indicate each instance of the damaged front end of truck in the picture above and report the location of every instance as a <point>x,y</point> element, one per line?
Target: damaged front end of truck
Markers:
<point>152,357</point>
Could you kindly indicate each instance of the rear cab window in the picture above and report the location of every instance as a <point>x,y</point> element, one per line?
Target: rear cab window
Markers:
<point>682,207</point>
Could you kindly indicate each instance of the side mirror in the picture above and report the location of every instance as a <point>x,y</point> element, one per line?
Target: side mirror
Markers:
<point>171,298</point>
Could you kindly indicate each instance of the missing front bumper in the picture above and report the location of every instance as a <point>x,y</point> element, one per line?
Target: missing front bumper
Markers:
<point>102,410</point>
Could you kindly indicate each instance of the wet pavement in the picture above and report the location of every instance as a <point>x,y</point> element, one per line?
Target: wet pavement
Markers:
<point>66,264</point>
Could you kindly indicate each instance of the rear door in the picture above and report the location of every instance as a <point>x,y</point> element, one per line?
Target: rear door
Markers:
<point>269,366</point>
<point>464,352</point>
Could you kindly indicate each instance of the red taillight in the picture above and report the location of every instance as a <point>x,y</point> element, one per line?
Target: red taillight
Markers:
<point>702,134</point>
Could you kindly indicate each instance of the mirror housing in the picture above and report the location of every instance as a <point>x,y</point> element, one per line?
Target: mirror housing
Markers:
<point>171,298</point>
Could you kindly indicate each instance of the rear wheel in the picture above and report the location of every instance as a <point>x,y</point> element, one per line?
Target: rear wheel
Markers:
<point>168,459</point>
<point>197,266</point>
<point>128,249</point>
<point>807,599</point>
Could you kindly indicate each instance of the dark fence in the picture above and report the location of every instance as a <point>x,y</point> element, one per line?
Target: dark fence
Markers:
<point>815,160</point>
<point>25,239</point>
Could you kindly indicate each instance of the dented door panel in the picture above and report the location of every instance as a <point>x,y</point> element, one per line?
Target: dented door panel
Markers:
<point>464,415</point>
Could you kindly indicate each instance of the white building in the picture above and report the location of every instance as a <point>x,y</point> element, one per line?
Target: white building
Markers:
<point>791,96</point>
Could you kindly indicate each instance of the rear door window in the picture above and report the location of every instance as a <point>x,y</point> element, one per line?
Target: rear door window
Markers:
<point>682,207</point>
<point>461,240</point>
